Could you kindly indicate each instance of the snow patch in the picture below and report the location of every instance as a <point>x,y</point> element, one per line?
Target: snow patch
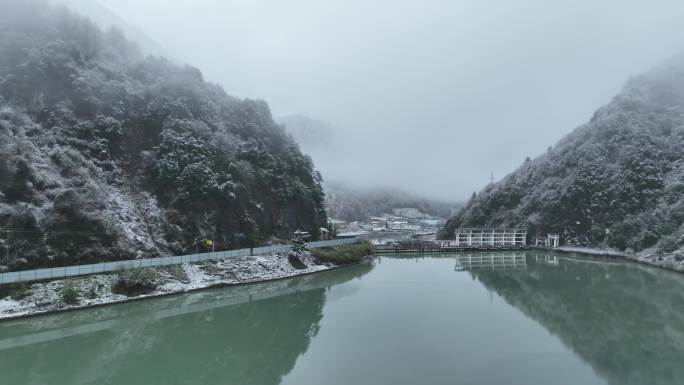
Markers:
<point>7,305</point>
<point>649,257</point>
<point>97,289</point>
<point>590,250</point>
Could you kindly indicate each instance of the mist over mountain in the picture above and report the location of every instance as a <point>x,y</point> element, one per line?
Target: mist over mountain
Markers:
<point>106,153</point>
<point>354,204</point>
<point>422,86</point>
<point>312,135</point>
<point>339,160</point>
<point>616,181</point>
<point>105,19</point>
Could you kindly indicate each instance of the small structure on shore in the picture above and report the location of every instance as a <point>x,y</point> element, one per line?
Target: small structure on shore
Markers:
<point>325,234</point>
<point>302,234</point>
<point>551,240</point>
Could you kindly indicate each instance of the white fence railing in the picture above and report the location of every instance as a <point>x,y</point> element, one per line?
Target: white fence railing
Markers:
<point>72,271</point>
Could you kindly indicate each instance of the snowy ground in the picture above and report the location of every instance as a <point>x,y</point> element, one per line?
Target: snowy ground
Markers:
<point>649,257</point>
<point>97,289</point>
<point>591,250</point>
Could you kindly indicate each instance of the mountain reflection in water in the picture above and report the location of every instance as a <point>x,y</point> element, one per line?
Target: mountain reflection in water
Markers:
<point>250,334</point>
<point>624,319</point>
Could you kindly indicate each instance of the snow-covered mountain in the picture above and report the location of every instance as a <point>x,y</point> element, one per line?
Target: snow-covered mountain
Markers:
<point>107,154</point>
<point>617,181</point>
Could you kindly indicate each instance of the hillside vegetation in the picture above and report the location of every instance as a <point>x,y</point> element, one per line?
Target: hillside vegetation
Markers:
<point>106,154</point>
<point>617,181</point>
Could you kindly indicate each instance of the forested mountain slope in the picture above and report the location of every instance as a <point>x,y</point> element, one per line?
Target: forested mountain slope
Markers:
<point>107,154</point>
<point>617,181</point>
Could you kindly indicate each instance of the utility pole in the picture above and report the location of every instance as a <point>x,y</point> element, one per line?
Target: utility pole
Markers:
<point>491,177</point>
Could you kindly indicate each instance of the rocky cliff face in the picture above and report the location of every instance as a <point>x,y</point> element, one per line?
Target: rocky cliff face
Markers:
<point>617,181</point>
<point>106,154</point>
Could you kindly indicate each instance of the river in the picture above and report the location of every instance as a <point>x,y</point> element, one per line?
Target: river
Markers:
<point>499,318</point>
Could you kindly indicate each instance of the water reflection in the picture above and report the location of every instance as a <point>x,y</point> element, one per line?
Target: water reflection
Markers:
<point>625,320</point>
<point>250,334</point>
<point>475,261</point>
<point>413,319</point>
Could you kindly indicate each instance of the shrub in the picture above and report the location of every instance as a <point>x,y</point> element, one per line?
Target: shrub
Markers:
<point>668,244</point>
<point>297,244</point>
<point>70,293</point>
<point>93,291</point>
<point>343,255</point>
<point>20,290</point>
<point>133,282</point>
<point>176,272</point>
<point>296,262</point>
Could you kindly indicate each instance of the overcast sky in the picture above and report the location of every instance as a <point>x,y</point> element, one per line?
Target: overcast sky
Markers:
<point>435,94</point>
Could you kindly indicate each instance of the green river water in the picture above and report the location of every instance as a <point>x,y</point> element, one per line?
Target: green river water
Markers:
<point>498,318</point>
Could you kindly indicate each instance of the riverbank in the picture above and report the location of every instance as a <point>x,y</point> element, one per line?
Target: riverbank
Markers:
<point>23,300</point>
<point>647,257</point>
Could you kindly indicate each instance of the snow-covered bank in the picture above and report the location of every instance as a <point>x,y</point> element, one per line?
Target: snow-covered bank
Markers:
<point>648,257</point>
<point>96,290</point>
<point>590,251</point>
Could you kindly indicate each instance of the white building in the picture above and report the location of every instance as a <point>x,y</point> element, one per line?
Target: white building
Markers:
<point>397,224</point>
<point>473,237</point>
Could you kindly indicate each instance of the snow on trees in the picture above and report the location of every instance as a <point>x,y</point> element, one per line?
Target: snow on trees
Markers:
<point>92,128</point>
